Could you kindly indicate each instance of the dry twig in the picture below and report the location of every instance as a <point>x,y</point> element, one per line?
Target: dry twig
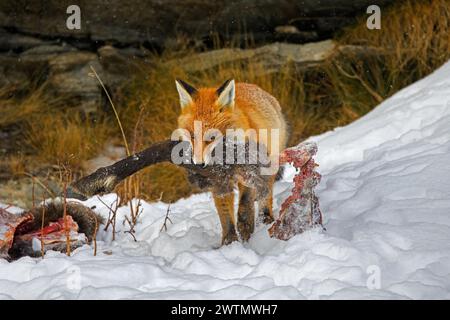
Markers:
<point>166,218</point>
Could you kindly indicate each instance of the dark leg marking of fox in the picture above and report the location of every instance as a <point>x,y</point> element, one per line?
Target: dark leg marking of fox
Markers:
<point>225,209</point>
<point>246,212</point>
<point>265,205</point>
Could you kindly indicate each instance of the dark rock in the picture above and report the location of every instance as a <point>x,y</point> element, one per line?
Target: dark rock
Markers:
<point>120,64</point>
<point>17,42</point>
<point>293,35</point>
<point>156,22</point>
<point>45,53</point>
<point>271,57</point>
<point>68,73</point>
<point>11,72</point>
<point>70,76</point>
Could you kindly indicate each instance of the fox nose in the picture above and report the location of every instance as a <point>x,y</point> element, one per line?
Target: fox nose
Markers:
<point>201,160</point>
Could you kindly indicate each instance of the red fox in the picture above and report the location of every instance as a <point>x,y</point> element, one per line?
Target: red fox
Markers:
<point>234,106</point>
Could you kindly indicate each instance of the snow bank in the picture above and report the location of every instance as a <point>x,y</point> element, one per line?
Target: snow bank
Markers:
<point>385,195</point>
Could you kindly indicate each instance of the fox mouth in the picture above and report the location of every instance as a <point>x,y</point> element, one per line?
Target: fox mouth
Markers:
<point>202,153</point>
<point>206,155</point>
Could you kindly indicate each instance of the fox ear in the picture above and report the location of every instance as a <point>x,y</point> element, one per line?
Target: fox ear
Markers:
<point>226,94</point>
<point>185,91</point>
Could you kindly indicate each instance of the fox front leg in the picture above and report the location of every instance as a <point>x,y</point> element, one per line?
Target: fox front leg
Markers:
<point>225,208</point>
<point>265,204</point>
<point>246,212</point>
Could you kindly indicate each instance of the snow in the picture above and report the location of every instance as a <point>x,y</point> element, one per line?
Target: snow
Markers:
<point>385,196</point>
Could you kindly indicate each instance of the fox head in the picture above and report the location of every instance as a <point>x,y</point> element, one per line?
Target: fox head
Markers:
<point>210,108</point>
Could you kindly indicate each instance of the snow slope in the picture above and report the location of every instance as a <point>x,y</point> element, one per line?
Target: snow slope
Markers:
<point>385,195</point>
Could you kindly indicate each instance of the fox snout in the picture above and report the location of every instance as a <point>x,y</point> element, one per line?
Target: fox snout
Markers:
<point>204,155</point>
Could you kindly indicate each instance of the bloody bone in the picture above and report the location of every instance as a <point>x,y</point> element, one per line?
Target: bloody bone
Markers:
<point>300,211</point>
<point>20,233</point>
<point>52,230</point>
<point>51,237</point>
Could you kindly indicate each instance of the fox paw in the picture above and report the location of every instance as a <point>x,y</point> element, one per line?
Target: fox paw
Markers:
<point>264,219</point>
<point>245,229</point>
<point>265,216</point>
<point>230,236</point>
<point>267,219</point>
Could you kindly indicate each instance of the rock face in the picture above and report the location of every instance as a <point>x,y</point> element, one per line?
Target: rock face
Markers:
<point>271,57</point>
<point>66,69</point>
<point>157,22</point>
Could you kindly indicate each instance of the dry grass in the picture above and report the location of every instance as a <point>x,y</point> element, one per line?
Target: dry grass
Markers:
<point>414,41</point>
<point>16,164</point>
<point>17,105</point>
<point>65,139</point>
<point>414,37</point>
<point>14,112</point>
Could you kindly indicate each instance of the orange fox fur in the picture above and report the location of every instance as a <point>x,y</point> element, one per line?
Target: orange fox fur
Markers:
<point>234,106</point>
